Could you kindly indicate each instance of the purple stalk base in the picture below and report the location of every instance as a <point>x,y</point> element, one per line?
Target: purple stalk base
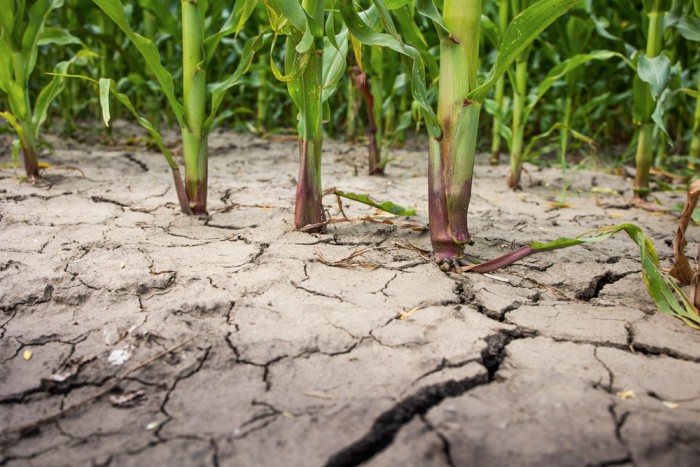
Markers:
<point>308,208</point>
<point>514,181</point>
<point>197,196</point>
<point>181,192</point>
<point>502,261</point>
<point>31,163</point>
<point>364,91</point>
<point>447,213</point>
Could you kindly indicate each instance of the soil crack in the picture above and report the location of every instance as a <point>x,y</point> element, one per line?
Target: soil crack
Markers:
<point>388,424</point>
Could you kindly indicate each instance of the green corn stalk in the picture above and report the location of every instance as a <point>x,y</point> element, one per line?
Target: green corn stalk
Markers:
<point>500,88</point>
<point>644,100</point>
<point>452,157</point>
<point>454,129</point>
<point>694,151</point>
<point>23,30</point>
<point>314,65</point>
<point>191,113</point>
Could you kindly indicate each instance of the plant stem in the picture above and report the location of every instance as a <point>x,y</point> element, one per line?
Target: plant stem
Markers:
<point>516,163</point>
<point>364,89</point>
<point>308,207</point>
<point>695,142</point>
<point>451,162</point>
<point>261,114</point>
<point>25,133</point>
<point>645,143</point>
<point>500,88</point>
<point>351,112</point>
<point>564,132</point>
<point>194,141</point>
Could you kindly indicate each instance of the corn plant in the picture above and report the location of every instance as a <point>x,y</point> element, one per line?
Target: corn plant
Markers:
<point>654,65</point>
<point>195,122</point>
<point>314,65</point>
<point>453,129</point>
<point>23,29</point>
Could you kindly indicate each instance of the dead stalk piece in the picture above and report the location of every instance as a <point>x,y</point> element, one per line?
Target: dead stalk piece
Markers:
<point>682,270</point>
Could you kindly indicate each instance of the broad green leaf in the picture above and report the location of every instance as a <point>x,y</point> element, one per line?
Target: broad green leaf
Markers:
<point>7,24</point>
<point>242,11</point>
<point>104,86</point>
<point>334,61</point>
<point>656,72</point>
<point>524,29</point>
<point>218,90</point>
<point>386,206</point>
<point>658,115</point>
<point>57,36</point>
<point>428,9</point>
<point>38,14</point>
<point>490,31</point>
<point>362,32</point>
<point>689,27</point>
<point>115,10</point>
<point>301,21</point>
<point>52,90</point>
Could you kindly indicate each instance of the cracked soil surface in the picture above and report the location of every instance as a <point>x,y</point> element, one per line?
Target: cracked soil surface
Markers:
<point>133,335</point>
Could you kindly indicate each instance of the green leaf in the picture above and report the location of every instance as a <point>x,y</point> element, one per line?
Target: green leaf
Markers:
<point>559,71</point>
<point>521,32</point>
<point>361,31</point>
<point>115,10</point>
<point>428,9</point>
<point>490,31</point>
<point>242,11</point>
<point>104,85</point>
<point>689,27</point>
<point>49,93</point>
<point>656,72</point>
<point>218,90</point>
<point>57,36</point>
<point>669,298</point>
<point>38,14</point>
<point>334,61</point>
<point>386,206</point>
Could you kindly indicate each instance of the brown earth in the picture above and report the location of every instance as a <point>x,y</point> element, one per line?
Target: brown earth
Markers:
<point>131,334</point>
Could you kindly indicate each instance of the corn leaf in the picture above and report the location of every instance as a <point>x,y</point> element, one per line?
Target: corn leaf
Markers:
<point>57,36</point>
<point>334,61</point>
<point>521,32</point>
<point>386,206</point>
<point>365,34</point>
<point>689,27</point>
<point>49,93</point>
<point>668,296</point>
<point>656,72</point>
<point>428,9</point>
<point>38,14</point>
<point>115,10</point>
<point>218,90</point>
<point>559,71</point>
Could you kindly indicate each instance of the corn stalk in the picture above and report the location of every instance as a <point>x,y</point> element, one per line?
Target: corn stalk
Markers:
<point>191,113</point>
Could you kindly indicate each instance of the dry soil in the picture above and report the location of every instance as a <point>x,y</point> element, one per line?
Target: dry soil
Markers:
<point>131,334</point>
